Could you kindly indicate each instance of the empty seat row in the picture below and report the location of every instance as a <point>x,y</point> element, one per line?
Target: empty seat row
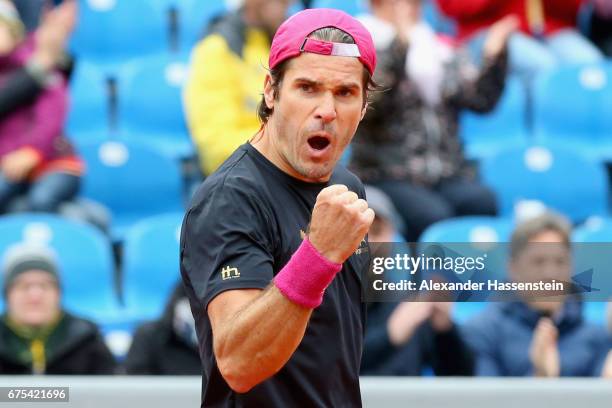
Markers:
<point>133,180</point>
<point>111,31</point>
<point>572,106</point>
<point>141,101</point>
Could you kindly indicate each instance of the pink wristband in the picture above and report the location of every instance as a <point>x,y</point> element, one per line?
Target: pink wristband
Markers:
<point>306,276</point>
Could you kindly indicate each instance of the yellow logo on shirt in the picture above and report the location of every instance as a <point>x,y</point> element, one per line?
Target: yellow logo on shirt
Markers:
<point>229,273</point>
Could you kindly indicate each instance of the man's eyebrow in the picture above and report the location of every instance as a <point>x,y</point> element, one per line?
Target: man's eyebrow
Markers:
<point>349,85</point>
<point>308,81</point>
<point>345,85</point>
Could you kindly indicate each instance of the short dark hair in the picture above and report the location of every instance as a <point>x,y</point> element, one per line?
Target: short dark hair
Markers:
<point>277,74</point>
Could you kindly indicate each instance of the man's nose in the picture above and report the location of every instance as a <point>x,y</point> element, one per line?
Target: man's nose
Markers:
<point>326,111</point>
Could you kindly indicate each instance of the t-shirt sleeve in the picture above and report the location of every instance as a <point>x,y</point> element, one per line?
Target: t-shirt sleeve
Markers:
<point>226,244</point>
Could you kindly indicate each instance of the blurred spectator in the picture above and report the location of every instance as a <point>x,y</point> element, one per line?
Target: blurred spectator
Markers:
<point>36,335</point>
<point>607,370</point>
<point>227,73</point>
<point>32,11</point>
<point>167,346</point>
<point>534,336</point>
<point>408,143</point>
<point>549,36</point>
<point>601,25</point>
<point>409,337</point>
<point>36,160</point>
<point>24,83</point>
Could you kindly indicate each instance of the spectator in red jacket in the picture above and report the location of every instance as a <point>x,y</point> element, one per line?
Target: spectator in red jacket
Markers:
<point>548,30</point>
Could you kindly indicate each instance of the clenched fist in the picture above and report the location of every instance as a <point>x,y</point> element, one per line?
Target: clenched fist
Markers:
<point>340,221</point>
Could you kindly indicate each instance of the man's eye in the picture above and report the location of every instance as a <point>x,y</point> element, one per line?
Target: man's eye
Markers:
<point>306,88</point>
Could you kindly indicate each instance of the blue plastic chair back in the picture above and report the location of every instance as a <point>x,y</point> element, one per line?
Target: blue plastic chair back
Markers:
<point>473,236</point>
<point>89,116</point>
<point>84,254</point>
<point>134,181</point>
<point>437,19</point>
<point>151,264</point>
<point>484,135</point>
<point>558,178</point>
<point>597,229</point>
<point>118,29</point>
<point>573,105</point>
<point>352,7</point>
<point>469,230</point>
<point>591,247</point>
<point>194,17</point>
<point>151,107</point>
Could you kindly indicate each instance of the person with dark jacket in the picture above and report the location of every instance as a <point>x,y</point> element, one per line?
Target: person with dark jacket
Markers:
<point>408,143</point>
<point>36,335</point>
<point>167,346</point>
<point>408,338</point>
<point>37,161</point>
<point>601,26</point>
<point>534,335</point>
<point>23,84</point>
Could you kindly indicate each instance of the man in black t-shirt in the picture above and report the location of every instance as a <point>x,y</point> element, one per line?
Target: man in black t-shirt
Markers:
<point>273,245</point>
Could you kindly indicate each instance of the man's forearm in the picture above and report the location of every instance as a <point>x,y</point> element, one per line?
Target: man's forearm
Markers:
<point>260,338</point>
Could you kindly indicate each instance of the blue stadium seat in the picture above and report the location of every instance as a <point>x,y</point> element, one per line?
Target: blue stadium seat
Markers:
<point>133,180</point>
<point>194,16</point>
<point>151,108</point>
<point>573,107</point>
<point>596,312</point>
<point>353,7</point>
<point>437,19</point>
<point>84,257</point>
<point>431,14</point>
<point>592,241</point>
<point>296,6</point>
<point>485,135</point>
<point>469,230</point>
<point>597,229</point>
<point>559,178</point>
<point>113,30</point>
<point>483,233</point>
<point>151,264</point>
<point>89,117</point>
<point>462,312</point>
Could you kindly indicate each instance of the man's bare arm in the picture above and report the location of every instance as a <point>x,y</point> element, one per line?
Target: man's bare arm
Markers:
<point>255,333</point>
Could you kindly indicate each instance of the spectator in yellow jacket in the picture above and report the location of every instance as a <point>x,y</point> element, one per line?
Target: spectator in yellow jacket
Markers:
<point>227,73</point>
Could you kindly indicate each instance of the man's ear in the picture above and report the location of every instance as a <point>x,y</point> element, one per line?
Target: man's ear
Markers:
<point>269,92</point>
<point>363,111</point>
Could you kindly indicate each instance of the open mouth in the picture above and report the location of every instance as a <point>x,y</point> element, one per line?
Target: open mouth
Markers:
<point>318,142</point>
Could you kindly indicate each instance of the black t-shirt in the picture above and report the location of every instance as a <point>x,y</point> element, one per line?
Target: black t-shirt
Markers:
<point>243,225</point>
